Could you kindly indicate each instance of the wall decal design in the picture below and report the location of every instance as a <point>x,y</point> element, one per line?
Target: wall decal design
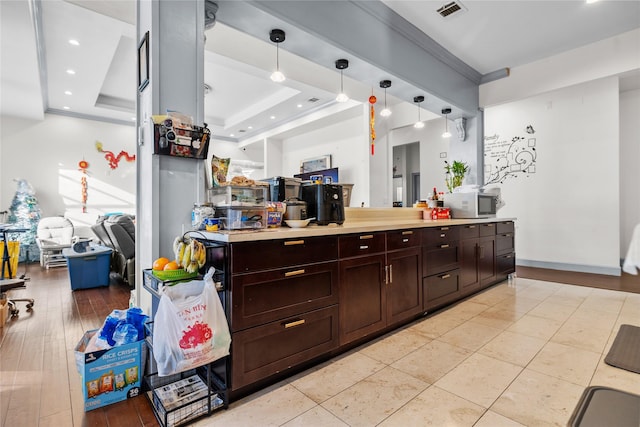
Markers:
<point>82,166</point>
<point>506,159</point>
<point>112,159</point>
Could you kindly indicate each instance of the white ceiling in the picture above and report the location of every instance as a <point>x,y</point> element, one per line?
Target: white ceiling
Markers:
<point>488,36</point>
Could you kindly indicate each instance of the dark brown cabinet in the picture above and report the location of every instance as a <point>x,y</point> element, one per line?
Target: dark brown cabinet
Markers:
<point>505,250</point>
<point>379,290</point>
<point>440,266</point>
<point>284,305</point>
<point>478,257</point>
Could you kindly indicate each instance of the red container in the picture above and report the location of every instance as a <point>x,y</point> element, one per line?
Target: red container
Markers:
<point>440,213</point>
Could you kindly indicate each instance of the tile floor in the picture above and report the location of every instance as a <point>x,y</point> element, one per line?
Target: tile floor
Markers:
<point>514,355</point>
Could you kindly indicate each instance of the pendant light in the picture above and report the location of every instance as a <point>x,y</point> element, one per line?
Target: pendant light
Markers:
<point>419,124</point>
<point>446,112</point>
<point>385,111</point>
<point>277,36</point>
<point>342,64</point>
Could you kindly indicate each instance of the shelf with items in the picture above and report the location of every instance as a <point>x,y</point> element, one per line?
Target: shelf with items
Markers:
<point>181,398</point>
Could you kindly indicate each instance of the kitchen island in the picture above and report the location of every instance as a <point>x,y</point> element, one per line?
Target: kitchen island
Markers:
<point>295,297</point>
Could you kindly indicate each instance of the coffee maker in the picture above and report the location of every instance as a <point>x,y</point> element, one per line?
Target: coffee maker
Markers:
<point>325,202</point>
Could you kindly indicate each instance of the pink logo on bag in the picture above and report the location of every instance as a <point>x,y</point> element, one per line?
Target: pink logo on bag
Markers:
<point>196,334</point>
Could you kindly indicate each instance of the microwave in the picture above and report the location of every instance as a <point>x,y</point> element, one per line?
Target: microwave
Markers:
<point>471,205</point>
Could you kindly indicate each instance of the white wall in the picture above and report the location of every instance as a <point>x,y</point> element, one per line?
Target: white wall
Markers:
<point>629,170</point>
<point>46,153</point>
<point>568,210</point>
<point>346,142</point>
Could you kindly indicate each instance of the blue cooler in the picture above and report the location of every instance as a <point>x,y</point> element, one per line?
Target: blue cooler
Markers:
<point>88,269</point>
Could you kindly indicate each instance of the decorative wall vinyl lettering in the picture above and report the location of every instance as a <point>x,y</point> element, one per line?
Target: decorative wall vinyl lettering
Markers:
<point>112,159</point>
<point>505,159</point>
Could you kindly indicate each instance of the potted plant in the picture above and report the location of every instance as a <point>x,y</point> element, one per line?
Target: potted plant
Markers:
<point>455,173</point>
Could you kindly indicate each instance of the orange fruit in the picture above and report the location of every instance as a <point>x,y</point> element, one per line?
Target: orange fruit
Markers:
<point>160,263</point>
<point>171,265</point>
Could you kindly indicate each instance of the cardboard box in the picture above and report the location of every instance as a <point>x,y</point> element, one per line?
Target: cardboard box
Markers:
<point>109,376</point>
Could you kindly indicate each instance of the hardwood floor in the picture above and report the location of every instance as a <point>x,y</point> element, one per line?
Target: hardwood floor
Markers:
<point>39,384</point>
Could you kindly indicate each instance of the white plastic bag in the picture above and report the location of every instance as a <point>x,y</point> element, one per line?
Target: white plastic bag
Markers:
<point>190,327</point>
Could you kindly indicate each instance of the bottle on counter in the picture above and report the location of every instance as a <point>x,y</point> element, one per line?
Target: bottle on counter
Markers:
<point>434,196</point>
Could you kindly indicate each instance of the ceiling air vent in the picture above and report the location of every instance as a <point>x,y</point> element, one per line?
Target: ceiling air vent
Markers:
<point>314,99</point>
<point>450,9</point>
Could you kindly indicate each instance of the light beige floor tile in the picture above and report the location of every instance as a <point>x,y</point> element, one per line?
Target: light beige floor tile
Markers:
<point>273,408</point>
<point>580,335</point>
<point>438,325</point>
<point>491,296</point>
<point>479,379</point>
<point>618,378</point>
<point>513,348</point>
<point>375,398</point>
<point>395,346</point>
<point>593,318</point>
<point>534,326</point>
<point>498,319</point>
<point>316,417</point>
<point>331,379</point>
<point>567,363</point>
<point>552,310</point>
<point>430,362</point>
<point>491,419</point>
<point>467,309</point>
<point>518,304</point>
<point>537,292</point>
<point>568,300</point>
<point>470,335</point>
<point>435,407</point>
<point>609,303</point>
<point>535,399</point>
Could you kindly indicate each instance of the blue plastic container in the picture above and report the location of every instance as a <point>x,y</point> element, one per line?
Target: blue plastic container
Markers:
<point>88,269</point>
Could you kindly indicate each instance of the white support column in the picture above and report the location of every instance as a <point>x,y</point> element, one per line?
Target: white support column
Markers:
<point>167,186</point>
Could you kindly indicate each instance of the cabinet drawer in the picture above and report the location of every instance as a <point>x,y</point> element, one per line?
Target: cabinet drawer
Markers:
<point>401,239</point>
<point>270,254</point>
<point>439,260</point>
<point>432,238</point>
<point>469,231</point>
<point>505,227</point>
<point>505,264</point>
<point>440,289</point>
<point>264,297</point>
<point>488,229</point>
<point>504,243</point>
<point>265,350</point>
<point>361,244</point>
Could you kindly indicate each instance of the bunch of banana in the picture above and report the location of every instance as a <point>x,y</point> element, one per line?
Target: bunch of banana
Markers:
<point>179,246</point>
<point>196,256</point>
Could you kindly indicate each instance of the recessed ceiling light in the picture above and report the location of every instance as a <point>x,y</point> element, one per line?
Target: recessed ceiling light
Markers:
<point>70,71</point>
<point>66,108</point>
<point>133,119</point>
<point>249,127</point>
<point>272,117</point>
<point>74,42</point>
<point>231,135</point>
<point>299,105</point>
<point>591,1</point>
<point>68,92</point>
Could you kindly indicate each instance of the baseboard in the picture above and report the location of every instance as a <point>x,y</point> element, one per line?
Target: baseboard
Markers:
<point>609,271</point>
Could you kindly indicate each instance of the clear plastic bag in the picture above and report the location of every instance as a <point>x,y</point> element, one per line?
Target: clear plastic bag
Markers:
<point>190,327</point>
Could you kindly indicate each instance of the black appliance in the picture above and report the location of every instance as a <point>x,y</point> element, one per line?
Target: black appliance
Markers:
<point>325,202</point>
<point>282,188</point>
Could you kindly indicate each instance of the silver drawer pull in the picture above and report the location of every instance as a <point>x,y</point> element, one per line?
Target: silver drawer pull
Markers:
<point>295,323</point>
<point>294,242</point>
<point>294,273</point>
<point>405,240</point>
<point>407,233</point>
<point>445,276</point>
<point>444,246</point>
<point>443,235</point>
<point>444,228</point>
<point>471,226</point>
<point>507,235</point>
<point>367,236</point>
<point>391,273</point>
<point>488,225</point>
<point>364,247</point>
<point>507,256</point>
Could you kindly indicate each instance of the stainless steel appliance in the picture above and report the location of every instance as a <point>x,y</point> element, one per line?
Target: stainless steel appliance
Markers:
<point>471,204</point>
<point>296,209</point>
<point>283,188</point>
<point>325,202</point>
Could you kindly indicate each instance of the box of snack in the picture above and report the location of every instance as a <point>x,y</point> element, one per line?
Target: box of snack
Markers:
<point>108,376</point>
